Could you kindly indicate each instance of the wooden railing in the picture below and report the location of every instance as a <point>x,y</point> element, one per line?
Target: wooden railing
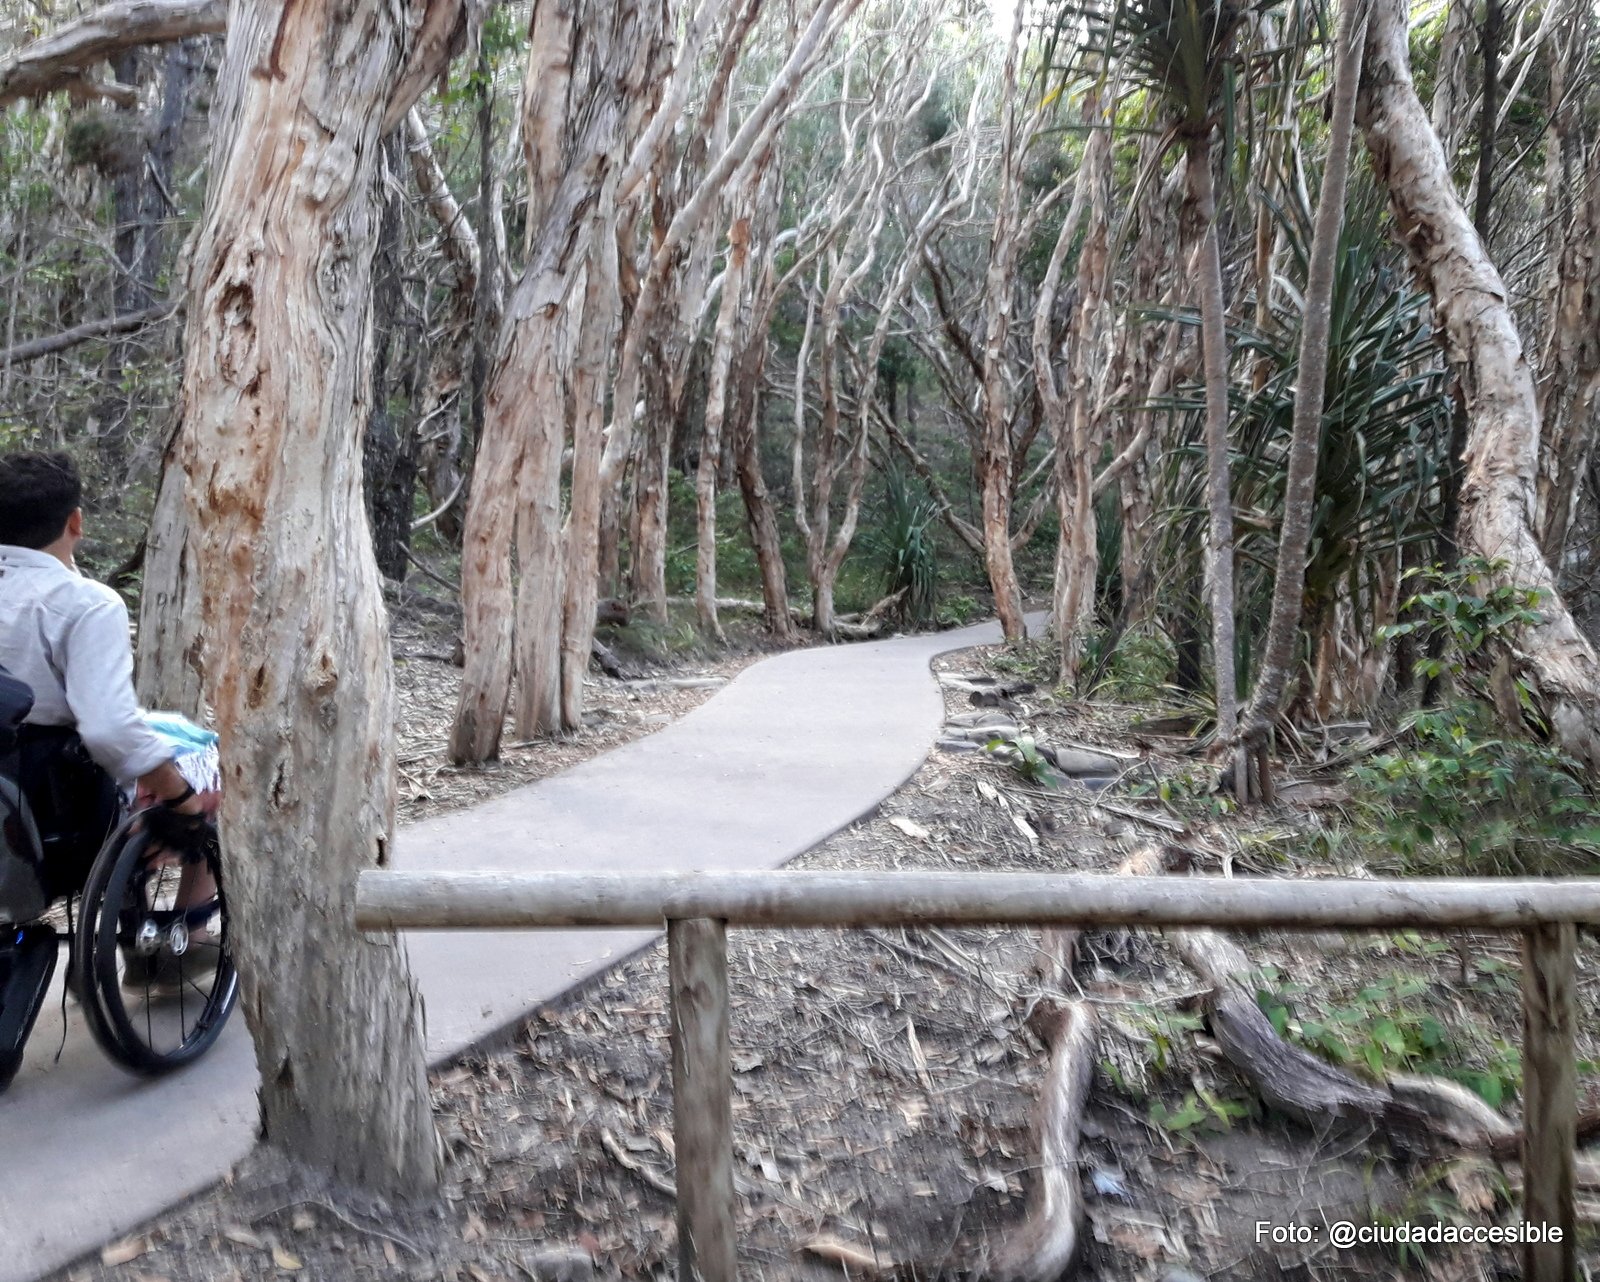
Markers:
<point>698,908</point>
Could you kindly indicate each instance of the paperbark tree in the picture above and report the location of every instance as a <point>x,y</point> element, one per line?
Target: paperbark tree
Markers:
<point>1299,501</point>
<point>722,348</point>
<point>276,396</point>
<point>588,72</point>
<point>1070,418</point>
<point>1498,499</point>
<point>1219,501</point>
<point>995,452</point>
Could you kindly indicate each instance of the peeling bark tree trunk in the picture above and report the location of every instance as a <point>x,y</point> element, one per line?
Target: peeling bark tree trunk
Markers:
<point>746,418</point>
<point>1294,539</point>
<point>1219,501</point>
<point>276,397</point>
<point>169,650</point>
<point>705,488</point>
<point>1498,500</point>
<point>586,72</point>
<point>1071,420</point>
<point>994,454</point>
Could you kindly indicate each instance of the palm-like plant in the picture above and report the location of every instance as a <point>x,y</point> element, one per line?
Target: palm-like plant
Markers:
<point>1383,427</point>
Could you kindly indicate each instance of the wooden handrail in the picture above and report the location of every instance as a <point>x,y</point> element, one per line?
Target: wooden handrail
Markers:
<point>787,900</point>
<point>697,908</point>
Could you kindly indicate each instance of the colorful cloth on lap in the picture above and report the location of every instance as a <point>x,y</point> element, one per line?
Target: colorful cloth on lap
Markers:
<point>194,749</point>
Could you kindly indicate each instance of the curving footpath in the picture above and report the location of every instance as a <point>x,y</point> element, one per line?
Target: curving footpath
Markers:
<point>792,750</point>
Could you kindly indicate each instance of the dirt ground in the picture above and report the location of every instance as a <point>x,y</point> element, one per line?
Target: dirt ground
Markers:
<point>885,1080</point>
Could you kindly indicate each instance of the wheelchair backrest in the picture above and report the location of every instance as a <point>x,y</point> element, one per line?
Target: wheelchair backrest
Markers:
<point>22,892</point>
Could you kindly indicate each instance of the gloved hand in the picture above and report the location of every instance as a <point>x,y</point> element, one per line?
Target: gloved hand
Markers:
<point>184,833</point>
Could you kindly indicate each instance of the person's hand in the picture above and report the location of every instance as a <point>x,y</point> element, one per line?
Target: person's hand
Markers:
<point>181,825</point>
<point>194,804</point>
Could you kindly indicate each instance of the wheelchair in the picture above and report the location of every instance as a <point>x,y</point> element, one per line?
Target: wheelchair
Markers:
<point>147,953</point>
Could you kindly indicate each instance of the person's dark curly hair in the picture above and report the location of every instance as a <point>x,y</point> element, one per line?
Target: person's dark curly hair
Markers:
<point>38,492</point>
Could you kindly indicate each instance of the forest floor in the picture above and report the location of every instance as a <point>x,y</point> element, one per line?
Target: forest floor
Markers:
<point>885,1080</point>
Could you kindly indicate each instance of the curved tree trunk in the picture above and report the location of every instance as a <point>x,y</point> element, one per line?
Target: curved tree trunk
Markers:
<point>1294,538</point>
<point>276,396</point>
<point>1498,499</point>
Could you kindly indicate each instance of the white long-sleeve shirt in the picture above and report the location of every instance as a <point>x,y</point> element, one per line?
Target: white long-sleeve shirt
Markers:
<point>66,637</point>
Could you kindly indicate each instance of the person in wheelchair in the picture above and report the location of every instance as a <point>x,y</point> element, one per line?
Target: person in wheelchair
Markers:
<point>86,743</point>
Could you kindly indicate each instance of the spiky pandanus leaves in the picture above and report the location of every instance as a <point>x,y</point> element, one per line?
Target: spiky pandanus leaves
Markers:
<point>1385,424</point>
<point>1182,50</point>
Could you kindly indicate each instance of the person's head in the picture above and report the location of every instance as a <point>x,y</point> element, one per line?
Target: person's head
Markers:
<point>39,500</point>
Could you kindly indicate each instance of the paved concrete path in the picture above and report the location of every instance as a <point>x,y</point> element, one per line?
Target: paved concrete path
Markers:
<point>788,753</point>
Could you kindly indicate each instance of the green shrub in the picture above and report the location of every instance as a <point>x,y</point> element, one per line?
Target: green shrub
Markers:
<point>902,542</point>
<point>1465,793</point>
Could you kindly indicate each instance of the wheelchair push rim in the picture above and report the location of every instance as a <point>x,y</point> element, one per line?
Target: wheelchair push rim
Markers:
<point>151,999</point>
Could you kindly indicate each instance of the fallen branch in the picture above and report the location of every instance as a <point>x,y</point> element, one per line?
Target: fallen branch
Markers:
<point>59,60</point>
<point>1047,1243</point>
<point>1416,1113</point>
<point>654,1178</point>
<point>35,348</point>
<point>1291,1079</point>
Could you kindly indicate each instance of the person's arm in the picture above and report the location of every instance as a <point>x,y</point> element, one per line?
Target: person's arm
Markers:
<point>98,671</point>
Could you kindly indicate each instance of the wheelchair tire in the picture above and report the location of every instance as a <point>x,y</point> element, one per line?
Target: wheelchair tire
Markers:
<point>160,1018</point>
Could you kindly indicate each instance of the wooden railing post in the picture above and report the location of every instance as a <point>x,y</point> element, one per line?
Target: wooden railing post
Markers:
<point>702,1099</point>
<point>1549,1099</point>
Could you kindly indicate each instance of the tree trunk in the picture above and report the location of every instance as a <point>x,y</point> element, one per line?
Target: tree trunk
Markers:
<point>722,346</point>
<point>388,460</point>
<point>1072,421</point>
<point>652,468</point>
<point>758,507</point>
<point>276,396</point>
<point>1452,93</point>
<point>439,416</point>
<point>1219,502</point>
<point>1294,539</point>
<point>169,663</point>
<point>994,452</point>
<point>1481,341</point>
<point>1569,361</point>
<point>544,352</point>
<point>588,441</point>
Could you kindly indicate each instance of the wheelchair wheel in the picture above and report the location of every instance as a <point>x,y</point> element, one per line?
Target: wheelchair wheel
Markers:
<point>155,975</point>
